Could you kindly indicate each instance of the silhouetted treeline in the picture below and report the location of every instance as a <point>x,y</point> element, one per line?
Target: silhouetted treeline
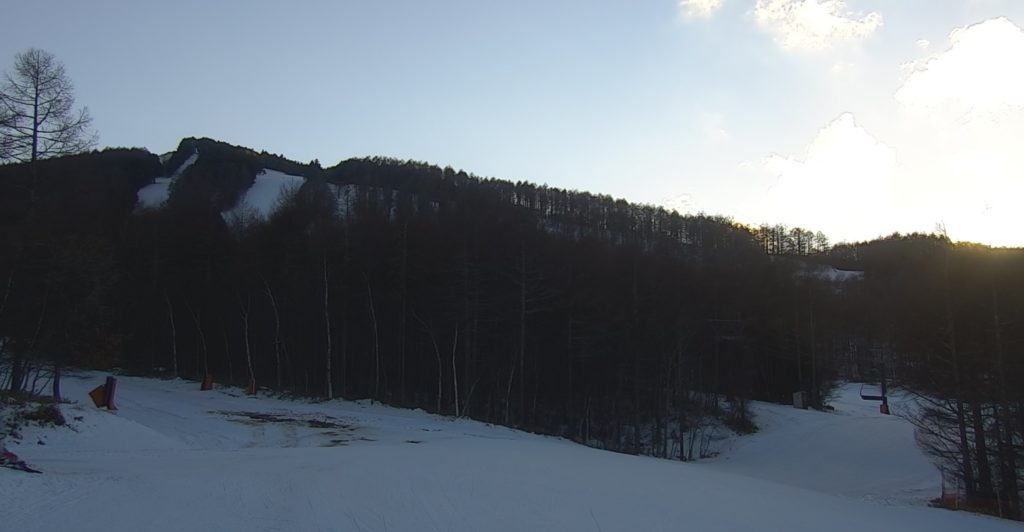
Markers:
<point>782,240</point>
<point>619,325</point>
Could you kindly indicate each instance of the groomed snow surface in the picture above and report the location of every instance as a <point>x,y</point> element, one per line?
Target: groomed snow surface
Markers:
<point>263,197</point>
<point>260,199</point>
<point>155,194</point>
<point>854,452</point>
<point>175,458</point>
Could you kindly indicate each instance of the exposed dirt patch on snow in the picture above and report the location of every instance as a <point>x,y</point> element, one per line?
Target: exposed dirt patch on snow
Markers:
<point>250,417</point>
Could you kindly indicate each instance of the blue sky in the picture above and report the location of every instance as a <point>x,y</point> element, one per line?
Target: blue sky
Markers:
<point>791,111</point>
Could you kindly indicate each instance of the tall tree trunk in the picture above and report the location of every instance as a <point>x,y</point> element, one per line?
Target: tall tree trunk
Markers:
<point>376,343</point>
<point>981,457</point>
<point>522,330</point>
<point>248,348</point>
<point>568,370</point>
<point>455,373</point>
<point>204,362</point>
<point>799,359</point>
<point>402,317</point>
<point>815,385</point>
<point>17,372</point>
<point>508,394</point>
<point>3,306</point>
<point>327,328</point>
<point>635,358</point>
<point>277,331</point>
<point>437,356</point>
<point>966,468</point>
<point>56,383</point>
<point>19,364</point>
<point>35,118</point>
<point>227,357</point>
<point>204,352</point>
<point>7,292</point>
<point>1009,474</point>
<point>469,320</point>
<point>174,336</point>
<point>344,341</point>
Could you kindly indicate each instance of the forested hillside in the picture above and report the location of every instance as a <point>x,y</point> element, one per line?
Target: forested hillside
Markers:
<point>564,312</point>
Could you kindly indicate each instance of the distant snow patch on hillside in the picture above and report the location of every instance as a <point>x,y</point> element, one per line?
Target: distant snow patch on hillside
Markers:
<point>831,273</point>
<point>345,196</point>
<point>265,194</point>
<point>155,195</point>
<point>835,274</point>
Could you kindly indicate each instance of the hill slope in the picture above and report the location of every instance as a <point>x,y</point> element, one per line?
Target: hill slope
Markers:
<point>854,452</point>
<point>174,458</point>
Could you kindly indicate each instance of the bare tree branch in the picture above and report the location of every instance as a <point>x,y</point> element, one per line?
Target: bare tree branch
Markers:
<point>37,116</point>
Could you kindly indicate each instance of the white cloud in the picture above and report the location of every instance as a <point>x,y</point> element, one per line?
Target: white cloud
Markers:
<point>923,44</point>
<point>969,179</point>
<point>712,126</point>
<point>981,72</point>
<point>852,186</point>
<point>842,68</point>
<point>962,113</point>
<point>700,8</point>
<point>813,25</point>
<point>842,185</point>
<point>956,124</point>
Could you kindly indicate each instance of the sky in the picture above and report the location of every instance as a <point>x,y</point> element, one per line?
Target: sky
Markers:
<point>857,118</point>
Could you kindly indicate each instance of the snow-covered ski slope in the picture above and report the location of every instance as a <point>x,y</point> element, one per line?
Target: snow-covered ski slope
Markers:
<point>263,196</point>
<point>260,199</point>
<point>175,458</point>
<point>855,451</point>
<point>155,194</point>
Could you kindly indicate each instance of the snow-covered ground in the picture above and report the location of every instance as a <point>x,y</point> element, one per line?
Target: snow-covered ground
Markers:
<point>175,458</point>
<point>263,197</point>
<point>260,199</point>
<point>155,194</point>
<point>854,451</point>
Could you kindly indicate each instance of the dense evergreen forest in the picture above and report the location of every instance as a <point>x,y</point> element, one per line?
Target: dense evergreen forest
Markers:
<point>619,325</point>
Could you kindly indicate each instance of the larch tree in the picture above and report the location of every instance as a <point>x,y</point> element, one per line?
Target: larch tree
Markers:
<point>38,118</point>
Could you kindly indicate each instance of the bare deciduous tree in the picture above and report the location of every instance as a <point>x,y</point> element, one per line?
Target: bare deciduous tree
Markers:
<point>37,115</point>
